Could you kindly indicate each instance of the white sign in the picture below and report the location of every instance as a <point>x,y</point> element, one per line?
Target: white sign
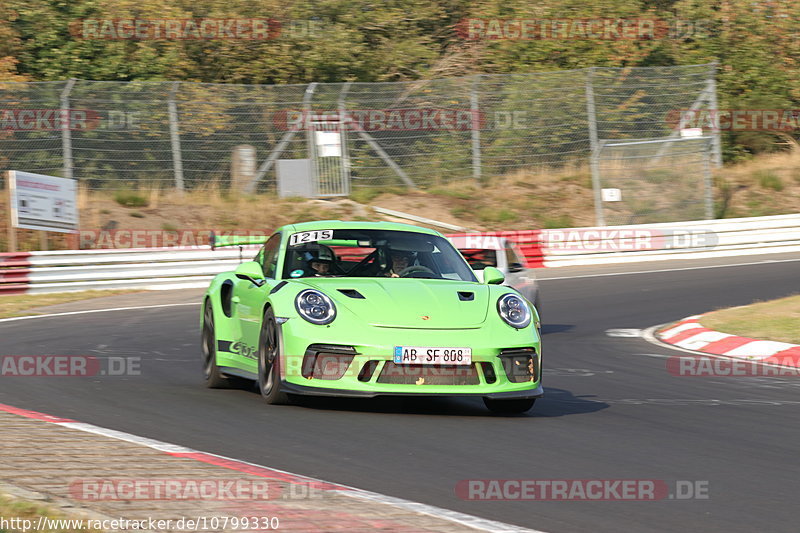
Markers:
<point>43,202</point>
<point>611,195</point>
<point>691,133</point>
<point>329,143</point>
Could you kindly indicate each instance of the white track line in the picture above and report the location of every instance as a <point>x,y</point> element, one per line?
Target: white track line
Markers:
<point>541,278</point>
<point>29,317</point>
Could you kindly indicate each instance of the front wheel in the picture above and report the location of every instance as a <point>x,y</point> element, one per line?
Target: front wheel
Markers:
<point>213,377</point>
<point>509,407</point>
<point>269,360</point>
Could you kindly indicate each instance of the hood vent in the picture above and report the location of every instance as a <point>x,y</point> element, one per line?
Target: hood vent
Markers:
<point>352,293</point>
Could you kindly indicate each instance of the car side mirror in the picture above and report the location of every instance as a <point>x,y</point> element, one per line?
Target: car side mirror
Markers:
<point>492,276</point>
<point>251,271</point>
<point>516,267</point>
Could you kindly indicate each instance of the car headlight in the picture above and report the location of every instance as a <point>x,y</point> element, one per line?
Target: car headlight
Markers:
<point>315,307</point>
<point>514,310</point>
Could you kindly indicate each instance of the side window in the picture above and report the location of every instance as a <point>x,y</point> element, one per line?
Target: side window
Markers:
<point>269,256</point>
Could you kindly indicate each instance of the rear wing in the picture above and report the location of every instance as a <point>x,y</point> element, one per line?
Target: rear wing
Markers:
<point>219,241</point>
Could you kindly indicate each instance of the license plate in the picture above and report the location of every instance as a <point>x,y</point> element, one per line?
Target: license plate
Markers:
<point>431,355</point>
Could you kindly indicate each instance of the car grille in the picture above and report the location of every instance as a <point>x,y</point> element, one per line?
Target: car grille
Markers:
<point>428,374</point>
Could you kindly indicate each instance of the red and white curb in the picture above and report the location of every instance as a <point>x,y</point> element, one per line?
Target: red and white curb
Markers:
<point>689,334</point>
<point>174,450</point>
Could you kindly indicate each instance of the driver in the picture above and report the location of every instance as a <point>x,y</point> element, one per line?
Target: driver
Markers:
<point>400,261</point>
<point>319,262</point>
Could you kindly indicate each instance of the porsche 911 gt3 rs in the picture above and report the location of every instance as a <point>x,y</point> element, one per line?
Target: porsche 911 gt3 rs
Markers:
<point>363,309</point>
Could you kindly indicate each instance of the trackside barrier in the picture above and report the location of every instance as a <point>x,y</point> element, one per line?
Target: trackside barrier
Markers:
<point>653,242</point>
<point>144,268</point>
<point>175,268</point>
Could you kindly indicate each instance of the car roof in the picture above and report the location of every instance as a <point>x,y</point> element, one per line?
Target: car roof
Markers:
<point>341,224</point>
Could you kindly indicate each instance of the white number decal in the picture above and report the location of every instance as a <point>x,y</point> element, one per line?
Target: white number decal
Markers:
<point>310,236</point>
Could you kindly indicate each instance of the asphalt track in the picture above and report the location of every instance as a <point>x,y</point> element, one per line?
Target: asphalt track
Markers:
<point>611,410</point>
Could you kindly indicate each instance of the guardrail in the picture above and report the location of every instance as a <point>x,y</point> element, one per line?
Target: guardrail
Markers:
<point>174,268</point>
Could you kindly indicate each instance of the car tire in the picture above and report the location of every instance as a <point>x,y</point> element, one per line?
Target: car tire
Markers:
<point>208,345</point>
<point>269,375</point>
<point>509,407</point>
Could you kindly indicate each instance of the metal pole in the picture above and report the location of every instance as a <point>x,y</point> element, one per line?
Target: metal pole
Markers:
<point>267,164</point>
<point>716,143</point>
<point>343,125</point>
<point>66,133</point>
<point>386,159</point>
<point>476,130</point>
<point>594,146</point>
<point>175,137</point>
<point>310,140</point>
<point>708,183</point>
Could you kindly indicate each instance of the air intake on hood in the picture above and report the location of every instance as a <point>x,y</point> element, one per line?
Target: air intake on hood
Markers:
<point>352,293</point>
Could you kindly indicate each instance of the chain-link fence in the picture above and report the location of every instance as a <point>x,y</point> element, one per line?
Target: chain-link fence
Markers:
<point>119,135</point>
<point>663,180</point>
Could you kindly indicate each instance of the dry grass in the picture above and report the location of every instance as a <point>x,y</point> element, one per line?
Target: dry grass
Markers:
<point>765,185</point>
<point>530,199</point>
<point>21,304</point>
<point>776,320</point>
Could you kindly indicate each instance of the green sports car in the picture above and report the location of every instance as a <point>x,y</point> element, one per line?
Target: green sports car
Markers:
<point>362,309</point>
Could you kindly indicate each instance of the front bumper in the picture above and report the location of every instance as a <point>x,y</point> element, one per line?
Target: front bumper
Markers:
<point>365,366</point>
<point>305,390</point>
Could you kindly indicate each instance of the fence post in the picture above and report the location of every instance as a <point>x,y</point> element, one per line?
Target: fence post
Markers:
<point>175,137</point>
<point>476,130</point>
<point>343,125</point>
<point>709,184</point>
<point>66,133</point>
<point>594,145</point>
<point>716,142</point>
<point>311,147</point>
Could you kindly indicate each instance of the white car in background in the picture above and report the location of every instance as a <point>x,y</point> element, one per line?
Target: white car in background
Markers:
<point>504,255</point>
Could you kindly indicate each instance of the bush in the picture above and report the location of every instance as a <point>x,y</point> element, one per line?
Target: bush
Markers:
<point>769,180</point>
<point>130,199</point>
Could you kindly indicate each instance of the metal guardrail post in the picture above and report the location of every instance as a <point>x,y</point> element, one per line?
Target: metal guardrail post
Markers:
<point>175,137</point>
<point>66,133</point>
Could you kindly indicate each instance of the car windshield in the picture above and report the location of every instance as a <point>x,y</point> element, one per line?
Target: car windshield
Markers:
<point>366,253</point>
